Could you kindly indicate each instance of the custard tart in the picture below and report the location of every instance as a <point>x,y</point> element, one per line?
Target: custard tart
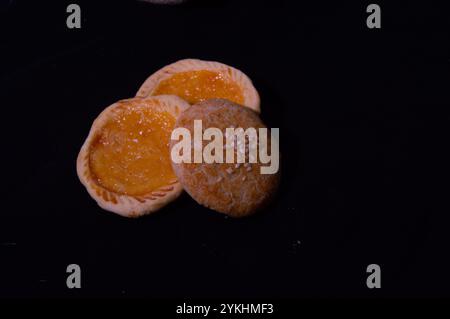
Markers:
<point>125,161</point>
<point>196,80</point>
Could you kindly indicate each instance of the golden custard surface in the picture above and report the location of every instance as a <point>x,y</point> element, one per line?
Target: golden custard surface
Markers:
<point>131,153</point>
<point>196,86</point>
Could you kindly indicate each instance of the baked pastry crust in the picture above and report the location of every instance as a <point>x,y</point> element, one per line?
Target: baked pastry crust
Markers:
<point>237,190</point>
<point>119,203</point>
<point>250,95</point>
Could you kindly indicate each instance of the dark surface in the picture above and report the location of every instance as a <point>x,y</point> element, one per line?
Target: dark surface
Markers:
<point>363,117</point>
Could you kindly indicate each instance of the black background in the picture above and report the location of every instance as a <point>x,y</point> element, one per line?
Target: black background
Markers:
<point>363,121</point>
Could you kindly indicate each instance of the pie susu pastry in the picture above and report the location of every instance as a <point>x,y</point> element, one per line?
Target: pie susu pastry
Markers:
<point>125,162</point>
<point>234,189</point>
<point>196,80</point>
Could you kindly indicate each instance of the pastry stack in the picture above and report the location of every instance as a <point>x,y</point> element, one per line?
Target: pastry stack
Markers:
<point>125,162</point>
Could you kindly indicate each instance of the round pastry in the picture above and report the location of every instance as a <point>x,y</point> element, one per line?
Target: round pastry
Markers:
<point>196,80</point>
<point>125,163</point>
<point>233,188</point>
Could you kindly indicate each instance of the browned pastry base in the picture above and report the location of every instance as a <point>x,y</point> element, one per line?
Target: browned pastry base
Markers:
<point>234,189</point>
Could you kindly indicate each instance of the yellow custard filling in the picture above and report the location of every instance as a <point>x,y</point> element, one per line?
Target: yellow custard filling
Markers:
<point>196,86</point>
<point>130,154</point>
